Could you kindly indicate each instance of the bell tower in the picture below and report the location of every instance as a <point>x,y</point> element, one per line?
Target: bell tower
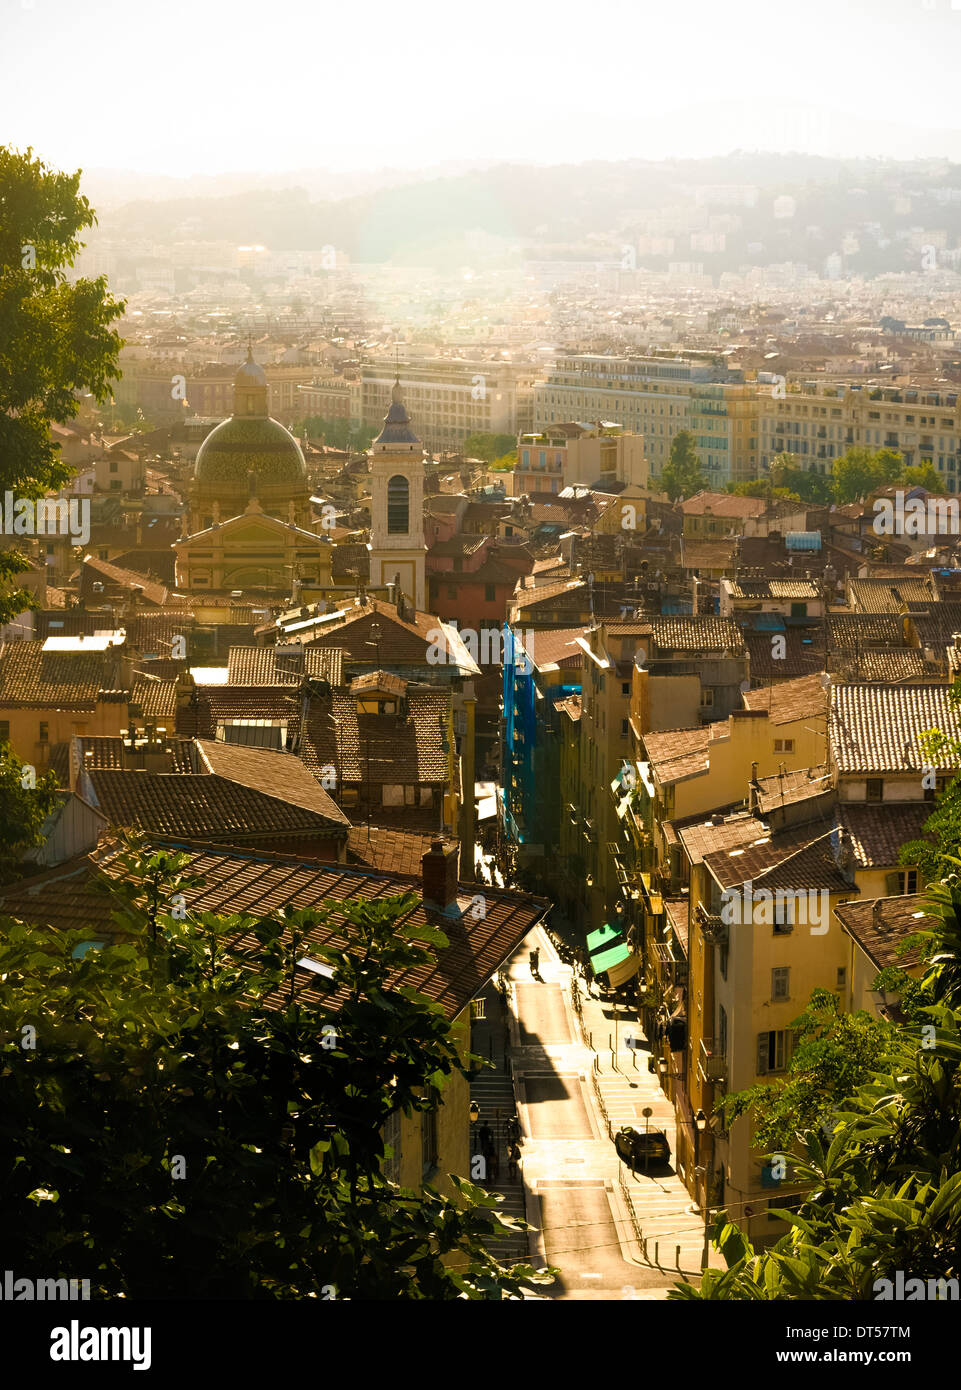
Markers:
<point>397,545</point>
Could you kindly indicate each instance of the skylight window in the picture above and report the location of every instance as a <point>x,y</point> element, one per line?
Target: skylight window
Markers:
<point>316,966</point>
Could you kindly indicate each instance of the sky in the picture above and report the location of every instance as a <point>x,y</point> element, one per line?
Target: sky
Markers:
<point>206,87</point>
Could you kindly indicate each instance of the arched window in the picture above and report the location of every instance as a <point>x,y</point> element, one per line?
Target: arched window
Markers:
<point>398,505</point>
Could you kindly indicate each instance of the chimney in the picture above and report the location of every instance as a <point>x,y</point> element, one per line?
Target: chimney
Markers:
<point>439,872</point>
<point>877,915</point>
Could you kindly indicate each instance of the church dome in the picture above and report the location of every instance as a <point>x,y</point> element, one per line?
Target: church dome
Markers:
<point>250,441</point>
<point>247,444</point>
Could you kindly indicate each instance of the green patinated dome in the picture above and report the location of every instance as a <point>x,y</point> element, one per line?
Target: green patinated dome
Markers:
<point>250,444</point>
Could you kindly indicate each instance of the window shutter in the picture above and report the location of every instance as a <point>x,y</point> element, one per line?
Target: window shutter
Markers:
<point>762,1053</point>
<point>892,884</point>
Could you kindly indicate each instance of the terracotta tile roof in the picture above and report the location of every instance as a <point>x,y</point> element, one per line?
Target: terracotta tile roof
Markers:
<point>207,806</point>
<point>114,576</point>
<point>937,623</point>
<point>774,589</point>
<point>380,683</point>
<point>858,630</point>
<point>794,859</point>
<point>257,882</point>
<point>402,641</point>
<point>550,647</point>
<point>877,728</point>
<point>380,748</point>
<point>702,553</point>
<point>707,838</point>
<point>879,925</point>
<point>803,653</point>
<point>285,665</point>
<point>217,703</point>
<point>723,504</point>
<point>893,664</point>
<point>392,851</point>
<point>31,677</point>
<point>803,698</point>
<point>274,774</point>
<point>791,788</point>
<point>544,593</point>
<point>675,754</point>
<point>878,831</point>
<point>156,696</point>
<point>687,632</point>
<point>885,596</point>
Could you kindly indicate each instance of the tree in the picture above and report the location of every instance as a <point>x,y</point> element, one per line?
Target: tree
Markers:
<point>488,446</point>
<point>860,472</point>
<point>177,1121</point>
<point>762,487</point>
<point>810,486</point>
<point>505,463</point>
<point>337,434</point>
<point>834,1053</point>
<point>924,475</point>
<point>26,801</point>
<point>56,337</point>
<point>682,476</point>
<point>884,1190</point>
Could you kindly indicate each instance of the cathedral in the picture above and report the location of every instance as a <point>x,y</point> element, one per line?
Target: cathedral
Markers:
<point>249,503</point>
<point>249,506</point>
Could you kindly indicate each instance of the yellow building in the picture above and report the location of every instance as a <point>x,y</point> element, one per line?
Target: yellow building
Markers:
<point>254,551</point>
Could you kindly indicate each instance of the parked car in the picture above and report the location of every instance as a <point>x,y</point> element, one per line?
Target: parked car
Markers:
<point>642,1147</point>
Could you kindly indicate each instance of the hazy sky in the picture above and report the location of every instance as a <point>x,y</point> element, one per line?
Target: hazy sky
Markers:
<point>210,86</point>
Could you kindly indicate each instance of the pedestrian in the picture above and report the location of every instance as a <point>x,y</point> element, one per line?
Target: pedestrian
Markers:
<point>486,1136</point>
<point>513,1129</point>
<point>493,1164</point>
<point>513,1159</point>
<point>536,964</point>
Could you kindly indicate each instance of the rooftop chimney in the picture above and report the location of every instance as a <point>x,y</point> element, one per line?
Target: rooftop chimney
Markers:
<point>439,871</point>
<point>877,915</point>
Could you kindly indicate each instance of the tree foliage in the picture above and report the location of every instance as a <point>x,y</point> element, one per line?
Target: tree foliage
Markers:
<point>56,341</point>
<point>26,801</point>
<point>682,476</point>
<point>488,446</point>
<point>185,1126</point>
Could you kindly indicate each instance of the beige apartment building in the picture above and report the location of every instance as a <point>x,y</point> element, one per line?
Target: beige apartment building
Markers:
<point>817,423</point>
<point>563,455</point>
<point>155,388</point>
<point>450,400</point>
<point>655,397</point>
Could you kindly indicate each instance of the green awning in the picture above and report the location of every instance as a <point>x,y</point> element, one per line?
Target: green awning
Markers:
<point>604,938</point>
<point>608,959</point>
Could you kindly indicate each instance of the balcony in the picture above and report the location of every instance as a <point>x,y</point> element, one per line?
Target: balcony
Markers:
<point>711,1065</point>
<point>713,929</point>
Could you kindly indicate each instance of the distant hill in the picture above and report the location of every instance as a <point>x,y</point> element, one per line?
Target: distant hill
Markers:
<point>587,211</point>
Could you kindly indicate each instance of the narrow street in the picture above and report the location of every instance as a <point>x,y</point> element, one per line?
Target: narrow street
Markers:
<point>590,1214</point>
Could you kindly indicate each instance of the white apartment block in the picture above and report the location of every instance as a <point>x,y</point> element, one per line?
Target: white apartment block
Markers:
<point>657,397</point>
<point>450,400</point>
<point>819,423</point>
